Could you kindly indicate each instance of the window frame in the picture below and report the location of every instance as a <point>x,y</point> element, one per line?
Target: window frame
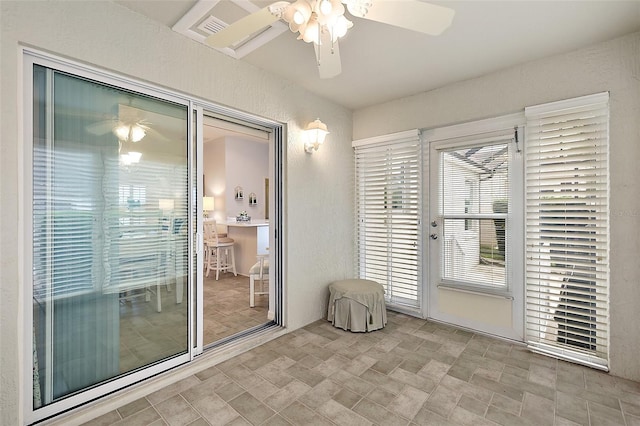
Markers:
<point>474,134</point>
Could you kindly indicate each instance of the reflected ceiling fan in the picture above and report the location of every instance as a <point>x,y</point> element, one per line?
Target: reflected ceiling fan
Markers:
<point>130,126</point>
<point>323,23</point>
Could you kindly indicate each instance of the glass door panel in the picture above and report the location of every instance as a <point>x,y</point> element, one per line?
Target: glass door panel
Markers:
<point>110,233</point>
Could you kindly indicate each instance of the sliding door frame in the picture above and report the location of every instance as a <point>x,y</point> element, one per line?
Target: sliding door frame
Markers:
<point>195,106</point>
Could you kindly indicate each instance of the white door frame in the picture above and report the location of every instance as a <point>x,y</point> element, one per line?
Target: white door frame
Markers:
<point>497,314</point>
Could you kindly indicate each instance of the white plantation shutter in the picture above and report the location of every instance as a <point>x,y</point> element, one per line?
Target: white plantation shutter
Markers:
<point>388,208</point>
<point>567,228</point>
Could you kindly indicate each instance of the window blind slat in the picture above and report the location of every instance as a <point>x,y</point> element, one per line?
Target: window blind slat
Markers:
<point>388,193</point>
<point>567,229</point>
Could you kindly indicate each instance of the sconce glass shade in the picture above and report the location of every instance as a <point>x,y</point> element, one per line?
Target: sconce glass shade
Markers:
<point>207,204</point>
<point>315,134</point>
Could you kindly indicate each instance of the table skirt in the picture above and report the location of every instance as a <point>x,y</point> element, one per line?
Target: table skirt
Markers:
<point>351,315</point>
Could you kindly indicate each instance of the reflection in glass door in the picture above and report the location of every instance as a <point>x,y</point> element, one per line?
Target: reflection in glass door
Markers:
<point>110,233</point>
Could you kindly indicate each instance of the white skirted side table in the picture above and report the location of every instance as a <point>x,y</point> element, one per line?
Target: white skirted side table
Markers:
<point>357,305</point>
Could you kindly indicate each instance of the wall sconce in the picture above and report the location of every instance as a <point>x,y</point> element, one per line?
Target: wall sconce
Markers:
<point>207,206</point>
<point>314,135</point>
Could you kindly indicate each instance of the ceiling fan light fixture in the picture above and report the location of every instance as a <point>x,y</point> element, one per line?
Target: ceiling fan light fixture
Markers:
<point>311,32</point>
<point>298,17</point>
<point>137,133</point>
<point>122,132</point>
<point>129,133</point>
<point>311,17</point>
<point>358,8</point>
<point>297,12</point>
<point>325,7</point>
<point>340,28</point>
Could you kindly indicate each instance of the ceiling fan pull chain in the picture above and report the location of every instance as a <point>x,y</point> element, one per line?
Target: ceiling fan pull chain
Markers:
<point>319,41</point>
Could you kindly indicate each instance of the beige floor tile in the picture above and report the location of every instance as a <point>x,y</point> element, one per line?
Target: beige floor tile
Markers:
<point>537,409</point>
<point>214,410</point>
<point>561,421</point>
<point>287,395</point>
<point>442,401</point>
<point>172,390</point>
<point>408,402</point>
<point>378,414</point>
<point>347,398</point>
<point>276,420</point>
<point>105,420</point>
<point>460,416</point>
<point>572,408</point>
<point>633,420</point>
<point>176,411</point>
<point>251,409</point>
<point>340,415</point>
<point>299,414</point>
<point>475,406</point>
<point>141,418</point>
<point>506,419</point>
<point>411,372</point>
<point>320,394</point>
<point>133,407</point>
<point>605,413</point>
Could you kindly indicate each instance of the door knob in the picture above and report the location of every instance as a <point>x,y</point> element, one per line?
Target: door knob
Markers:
<point>434,236</point>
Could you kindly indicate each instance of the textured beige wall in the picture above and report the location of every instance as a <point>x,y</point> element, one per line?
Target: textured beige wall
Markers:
<point>318,190</point>
<point>613,66</point>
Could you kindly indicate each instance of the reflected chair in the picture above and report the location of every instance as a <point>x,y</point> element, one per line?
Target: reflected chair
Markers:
<point>219,251</point>
<point>258,272</point>
<point>138,266</point>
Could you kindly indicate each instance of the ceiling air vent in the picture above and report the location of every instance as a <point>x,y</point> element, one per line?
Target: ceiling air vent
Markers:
<point>208,17</point>
<point>212,25</point>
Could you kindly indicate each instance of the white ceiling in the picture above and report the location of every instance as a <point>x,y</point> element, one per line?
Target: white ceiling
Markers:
<point>381,63</point>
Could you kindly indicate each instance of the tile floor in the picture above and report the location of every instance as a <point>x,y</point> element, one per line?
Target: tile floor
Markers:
<point>147,336</point>
<point>226,307</point>
<point>412,372</point>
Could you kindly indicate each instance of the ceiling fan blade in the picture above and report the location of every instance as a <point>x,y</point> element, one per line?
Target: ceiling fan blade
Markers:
<point>242,28</point>
<point>328,57</point>
<point>101,128</point>
<point>412,15</point>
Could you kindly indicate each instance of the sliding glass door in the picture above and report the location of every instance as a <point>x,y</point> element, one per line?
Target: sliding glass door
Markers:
<point>110,225</point>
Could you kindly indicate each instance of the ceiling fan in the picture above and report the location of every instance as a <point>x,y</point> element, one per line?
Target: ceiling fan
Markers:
<point>130,125</point>
<point>323,22</point>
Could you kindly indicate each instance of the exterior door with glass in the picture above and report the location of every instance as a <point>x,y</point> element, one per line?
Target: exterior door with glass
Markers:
<point>475,228</point>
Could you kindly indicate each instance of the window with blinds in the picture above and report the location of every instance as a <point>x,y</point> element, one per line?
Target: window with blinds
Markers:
<point>567,228</point>
<point>474,198</point>
<point>388,209</point>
